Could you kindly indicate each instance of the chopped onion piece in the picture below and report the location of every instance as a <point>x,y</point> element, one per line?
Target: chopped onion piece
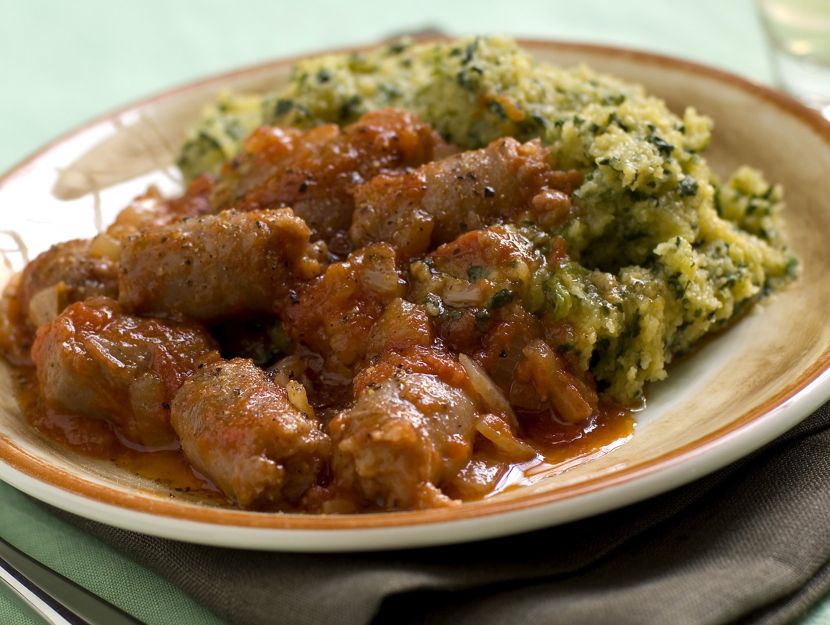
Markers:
<point>496,430</point>
<point>478,478</point>
<point>574,400</point>
<point>104,246</point>
<point>298,397</point>
<point>291,367</point>
<point>468,295</point>
<point>382,281</point>
<point>47,304</point>
<point>490,394</point>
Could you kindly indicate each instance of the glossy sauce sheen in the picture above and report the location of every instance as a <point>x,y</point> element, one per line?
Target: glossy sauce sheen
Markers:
<point>266,353</point>
<point>566,445</point>
<point>560,446</point>
<point>95,438</point>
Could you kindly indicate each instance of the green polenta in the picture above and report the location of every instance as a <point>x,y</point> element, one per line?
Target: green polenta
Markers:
<point>662,252</point>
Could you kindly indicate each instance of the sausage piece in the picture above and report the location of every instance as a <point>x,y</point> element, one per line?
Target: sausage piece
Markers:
<point>402,439</point>
<point>239,428</point>
<point>95,361</point>
<point>315,171</point>
<point>436,202</point>
<point>65,273</point>
<point>217,266</point>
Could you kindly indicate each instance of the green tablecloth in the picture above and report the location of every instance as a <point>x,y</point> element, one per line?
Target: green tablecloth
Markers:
<point>66,62</point>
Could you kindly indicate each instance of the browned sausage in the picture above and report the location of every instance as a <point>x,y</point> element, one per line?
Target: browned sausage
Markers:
<point>96,361</point>
<point>438,201</point>
<point>238,427</point>
<point>315,171</point>
<point>71,273</point>
<point>404,436</point>
<point>217,266</point>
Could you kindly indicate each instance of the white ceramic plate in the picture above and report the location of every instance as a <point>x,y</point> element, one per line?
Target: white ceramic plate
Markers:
<point>740,391</point>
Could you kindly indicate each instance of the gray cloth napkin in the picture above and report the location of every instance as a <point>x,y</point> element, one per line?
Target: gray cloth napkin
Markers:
<point>749,544</point>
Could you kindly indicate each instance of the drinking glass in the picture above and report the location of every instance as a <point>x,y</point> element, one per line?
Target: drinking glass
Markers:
<point>799,35</point>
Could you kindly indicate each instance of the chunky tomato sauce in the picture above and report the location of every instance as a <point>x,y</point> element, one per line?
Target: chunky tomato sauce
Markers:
<point>345,320</point>
<point>560,446</point>
<point>98,439</point>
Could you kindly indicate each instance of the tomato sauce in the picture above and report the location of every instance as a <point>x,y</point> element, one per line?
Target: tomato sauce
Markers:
<point>560,446</point>
<point>563,446</point>
<point>96,438</point>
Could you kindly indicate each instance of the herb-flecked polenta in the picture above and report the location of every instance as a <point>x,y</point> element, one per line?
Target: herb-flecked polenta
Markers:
<point>663,252</point>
